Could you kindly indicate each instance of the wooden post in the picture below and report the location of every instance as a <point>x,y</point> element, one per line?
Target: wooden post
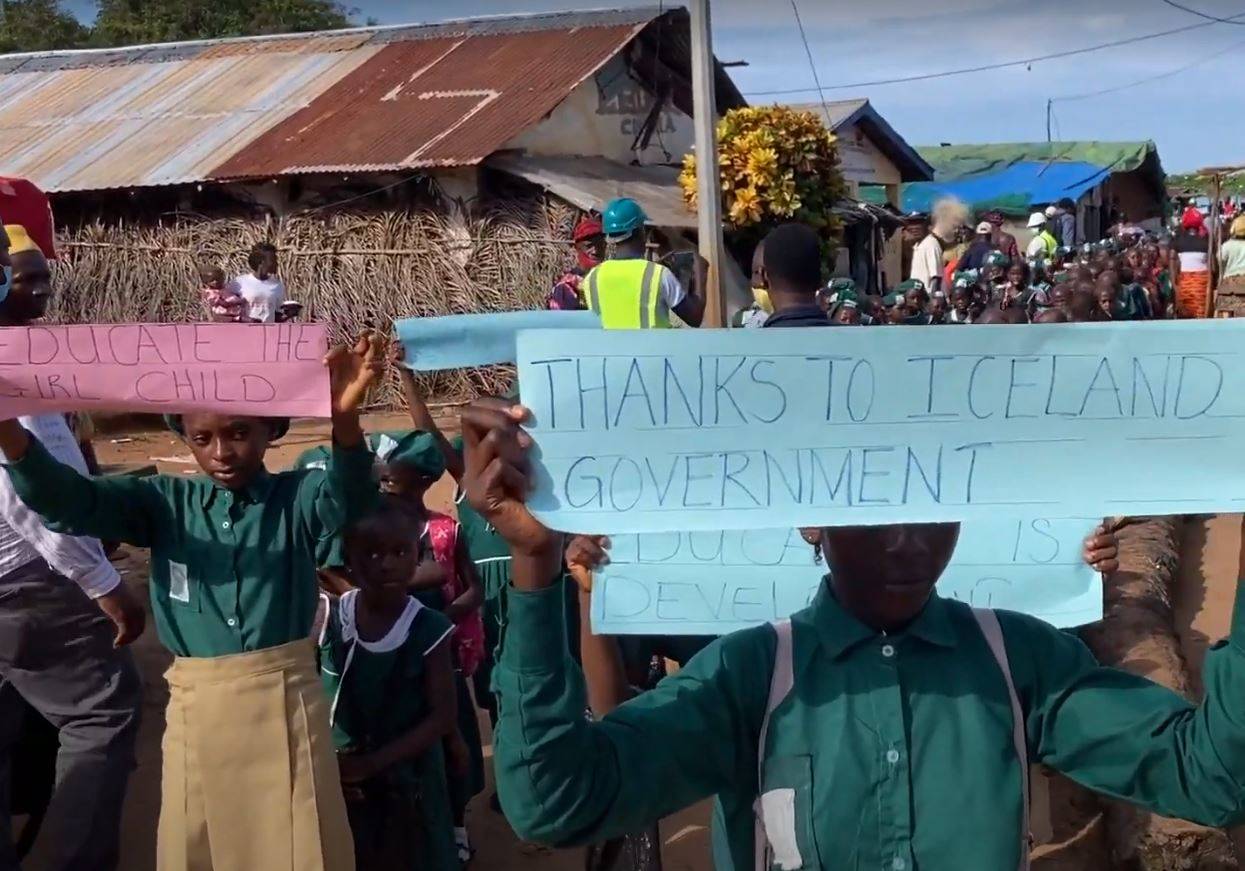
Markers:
<point>709,211</point>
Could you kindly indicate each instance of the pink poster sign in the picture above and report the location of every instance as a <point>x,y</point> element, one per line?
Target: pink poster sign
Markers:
<point>270,370</point>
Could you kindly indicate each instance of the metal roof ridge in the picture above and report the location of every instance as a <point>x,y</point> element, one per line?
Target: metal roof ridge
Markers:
<point>654,9</point>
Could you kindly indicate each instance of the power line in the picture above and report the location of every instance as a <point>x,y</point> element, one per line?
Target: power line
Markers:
<point>1180,69</point>
<point>1213,18</point>
<point>812,66</point>
<point>995,66</point>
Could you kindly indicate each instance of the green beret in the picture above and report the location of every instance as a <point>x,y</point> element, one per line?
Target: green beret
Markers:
<point>892,299</point>
<point>280,425</point>
<point>997,258</point>
<point>413,448</point>
<point>841,285</point>
<point>910,284</point>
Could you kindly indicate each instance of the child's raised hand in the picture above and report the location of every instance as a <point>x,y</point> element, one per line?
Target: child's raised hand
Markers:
<point>1102,550</point>
<point>584,555</point>
<point>397,353</point>
<point>353,371</point>
<point>496,477</point>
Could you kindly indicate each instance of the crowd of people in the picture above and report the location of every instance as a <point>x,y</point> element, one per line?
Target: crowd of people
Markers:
<point>1131,275</point>
<point>330,631</point>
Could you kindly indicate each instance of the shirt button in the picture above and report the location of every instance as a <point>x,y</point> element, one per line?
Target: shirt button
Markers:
<point>892,756</point>
<point>225,525</point>
<point>232,621</point>
<point>888,652</point>
<point>898,863</point>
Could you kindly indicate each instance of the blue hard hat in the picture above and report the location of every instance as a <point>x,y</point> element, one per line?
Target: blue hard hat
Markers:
<point>622,217</point>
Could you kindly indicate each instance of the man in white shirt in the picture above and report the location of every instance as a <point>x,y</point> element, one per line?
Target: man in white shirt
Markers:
<point>65,617</point>
<point>946,218</point>
<point>261,288</point>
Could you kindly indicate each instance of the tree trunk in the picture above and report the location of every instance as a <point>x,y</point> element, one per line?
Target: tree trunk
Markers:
<point>1137,634</point>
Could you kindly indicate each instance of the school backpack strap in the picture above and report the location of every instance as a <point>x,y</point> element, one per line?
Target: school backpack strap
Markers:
<point>988,621</point>
<point>781,682</point>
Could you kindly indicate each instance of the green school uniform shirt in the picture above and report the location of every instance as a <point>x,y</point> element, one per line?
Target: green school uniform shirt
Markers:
<point>371,704</point>
<point>376,695</point>
<point>896,750</point>
<point>231,572</point>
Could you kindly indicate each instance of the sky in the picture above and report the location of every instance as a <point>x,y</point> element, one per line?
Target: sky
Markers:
<point>1178,90</point>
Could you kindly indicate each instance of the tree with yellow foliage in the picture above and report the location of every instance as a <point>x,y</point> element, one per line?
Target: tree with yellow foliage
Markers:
<point>777,165</point>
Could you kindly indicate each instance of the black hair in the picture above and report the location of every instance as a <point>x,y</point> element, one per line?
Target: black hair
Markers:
<point>258,250</point>
<point>1066,203</point>
<point>279,425</point>
<point>386,516</point>
<point>793,258</point>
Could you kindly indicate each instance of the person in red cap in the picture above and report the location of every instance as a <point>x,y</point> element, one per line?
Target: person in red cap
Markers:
<point>589,241</point>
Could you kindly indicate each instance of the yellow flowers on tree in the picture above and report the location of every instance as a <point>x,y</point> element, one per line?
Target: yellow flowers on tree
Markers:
<point>777,165</point>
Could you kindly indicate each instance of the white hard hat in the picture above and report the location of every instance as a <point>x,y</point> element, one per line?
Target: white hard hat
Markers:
<point>1037,219</point>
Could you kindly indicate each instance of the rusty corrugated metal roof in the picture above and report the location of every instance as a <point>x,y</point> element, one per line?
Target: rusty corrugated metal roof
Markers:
<point>435,102</point>
<point>366,98</point>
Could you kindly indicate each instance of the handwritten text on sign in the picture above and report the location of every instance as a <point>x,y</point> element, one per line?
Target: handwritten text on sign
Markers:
<point>252,369</point>
<point>641,431</point>
<point>710,583</point>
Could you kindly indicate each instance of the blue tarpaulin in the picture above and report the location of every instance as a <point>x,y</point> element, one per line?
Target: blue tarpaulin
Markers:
<point>1015,189</point>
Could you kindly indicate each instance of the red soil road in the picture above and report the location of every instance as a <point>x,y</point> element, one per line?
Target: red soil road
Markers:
<point>1212,561</point>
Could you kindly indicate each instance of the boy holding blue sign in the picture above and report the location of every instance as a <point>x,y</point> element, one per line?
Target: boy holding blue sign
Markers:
<point>879,728</point>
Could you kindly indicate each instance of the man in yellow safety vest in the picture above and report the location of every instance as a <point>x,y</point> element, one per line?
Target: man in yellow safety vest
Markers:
<point>629,291</point>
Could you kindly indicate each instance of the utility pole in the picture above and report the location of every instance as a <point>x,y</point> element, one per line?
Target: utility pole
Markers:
<point>1048,110</point>
<point>709,211</point>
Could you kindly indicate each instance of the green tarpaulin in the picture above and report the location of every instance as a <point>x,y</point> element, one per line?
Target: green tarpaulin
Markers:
<point>957,161</point>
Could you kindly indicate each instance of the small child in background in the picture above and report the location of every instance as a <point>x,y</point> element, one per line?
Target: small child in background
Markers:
<point>386,664</point>
<point>223,304</point>
<point>409,463</point>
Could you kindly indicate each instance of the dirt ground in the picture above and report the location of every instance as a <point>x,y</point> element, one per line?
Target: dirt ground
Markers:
<point>1212,561</point>
<point>686,835</point>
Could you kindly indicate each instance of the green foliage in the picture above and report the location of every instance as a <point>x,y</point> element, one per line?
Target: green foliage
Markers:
<point>38,25</point>
<point>43,25</point>
<point>1197,184</point>
<point>129,22</point>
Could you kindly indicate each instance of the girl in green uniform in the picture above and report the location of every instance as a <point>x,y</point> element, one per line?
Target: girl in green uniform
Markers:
<point>386,665</point>
<point>445,580</point>
<point>487,550</point>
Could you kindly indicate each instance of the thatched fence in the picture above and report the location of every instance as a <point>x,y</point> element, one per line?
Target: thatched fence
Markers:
<point>350,269</point>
